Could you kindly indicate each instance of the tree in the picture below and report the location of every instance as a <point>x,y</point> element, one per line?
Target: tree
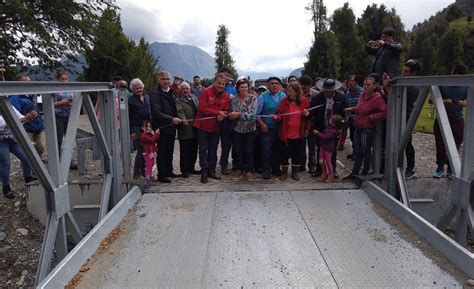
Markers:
<point>426,59</point>
<point>450,49</point>
<point>223,57</point>
<point>113,54</point>
<point>375,18</point>
<point>318,15</point>
<point>46,31</point>
<point>323,57</point>
<point>453,13</point>
<point>351,48</point>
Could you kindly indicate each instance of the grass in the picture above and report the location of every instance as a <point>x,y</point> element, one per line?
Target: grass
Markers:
<point>426,119</point>
<point>461,24</point>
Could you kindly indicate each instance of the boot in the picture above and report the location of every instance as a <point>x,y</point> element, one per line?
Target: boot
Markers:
<point>294,172</point>
<point>7,192</point>
<point>324,176</point>
<point>284,173</point>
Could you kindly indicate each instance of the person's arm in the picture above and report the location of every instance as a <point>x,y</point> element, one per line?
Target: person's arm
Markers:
<point>23,118</point>
<point>381,113</point>
<point>395,47</point>
<point>64,100</point>
<point>326,135</point>
<point>146,138</point>
<point>372,50</point>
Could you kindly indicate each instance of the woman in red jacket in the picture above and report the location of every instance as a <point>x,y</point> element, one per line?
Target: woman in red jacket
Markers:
<point>148,141</point>
<point>370,109</point>
<point>292,113</point>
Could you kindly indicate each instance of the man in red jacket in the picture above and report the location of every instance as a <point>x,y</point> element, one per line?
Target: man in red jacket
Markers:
<point>214,105</point>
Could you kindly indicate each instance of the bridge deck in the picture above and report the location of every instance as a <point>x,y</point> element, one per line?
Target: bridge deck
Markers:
<point>328,239</point>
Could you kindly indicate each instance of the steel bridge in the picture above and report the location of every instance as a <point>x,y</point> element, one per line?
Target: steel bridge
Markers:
<point>254,236</point>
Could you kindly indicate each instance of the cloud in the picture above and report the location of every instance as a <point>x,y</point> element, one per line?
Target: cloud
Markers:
<point>138,22</point>
<point>195,32</point>
<point>263,34</point>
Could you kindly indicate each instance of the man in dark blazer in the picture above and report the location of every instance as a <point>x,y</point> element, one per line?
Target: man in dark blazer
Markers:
<point>329,101</point>
<point>164,117</point>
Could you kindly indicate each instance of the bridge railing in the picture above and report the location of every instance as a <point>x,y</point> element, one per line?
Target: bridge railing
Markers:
<point>114,146</point>
<point>394,193</point>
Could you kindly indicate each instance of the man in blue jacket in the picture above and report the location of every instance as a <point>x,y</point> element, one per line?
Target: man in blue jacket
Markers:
<point>35,127</point>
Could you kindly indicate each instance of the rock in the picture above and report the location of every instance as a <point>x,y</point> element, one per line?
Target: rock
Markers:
<point>22,279</point>
<point>470,282</point>
<point>17,204</point>
<point>22,231</point>
<point>3,236</point>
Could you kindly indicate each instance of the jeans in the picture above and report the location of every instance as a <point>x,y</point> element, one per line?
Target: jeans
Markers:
<point>226,145</point>
<point>165,154</point>
<point>187,155</point>
<point>292,149</point>
<point>61,127</point>
<point>311,141</point>
<point>364,141</point>
<point>270,151</point>
<point>243,146</point>
<point>139,163</point>
<point>410,154</point>
<point>208,143</point>
<point>7,147</point>
<point>457,127</point>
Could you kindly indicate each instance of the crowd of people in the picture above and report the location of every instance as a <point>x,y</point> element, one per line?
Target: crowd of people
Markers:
<point>277,130</point>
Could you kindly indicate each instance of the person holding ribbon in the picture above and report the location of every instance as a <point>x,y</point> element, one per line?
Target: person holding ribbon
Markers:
<point>186,106</point>
<point>214,106</point>
<point>270,144</point>
<point>244,113</point>
<point>323,106</point>
<point>292,114</point>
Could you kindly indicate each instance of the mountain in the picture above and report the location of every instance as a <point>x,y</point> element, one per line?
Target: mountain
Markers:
<point>75,68</point>
<point>183,60</point>
<point>263,75</point>
<point>177,59</point>
<point>297,72</point>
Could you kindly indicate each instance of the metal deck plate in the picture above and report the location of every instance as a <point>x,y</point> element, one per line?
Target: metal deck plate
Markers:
<point>261,239</point>
<point>361,249</point>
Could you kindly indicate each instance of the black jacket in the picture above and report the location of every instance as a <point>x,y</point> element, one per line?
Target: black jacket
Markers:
<point>387,58</point>
<point>317,115</point>
<point>163,110</point>
<point>138,111</point>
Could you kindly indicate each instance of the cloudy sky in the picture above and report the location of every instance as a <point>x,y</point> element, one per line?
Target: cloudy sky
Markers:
<point>265,35</point>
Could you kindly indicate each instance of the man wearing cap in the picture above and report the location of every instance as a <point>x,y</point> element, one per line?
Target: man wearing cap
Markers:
<point>306,84</point>
<point>214,104</point>
<point>175,86</point>
<point>270,143</point>
<point>328,102</point>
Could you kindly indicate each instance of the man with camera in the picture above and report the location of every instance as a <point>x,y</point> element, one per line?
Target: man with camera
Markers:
<point>386,52</point>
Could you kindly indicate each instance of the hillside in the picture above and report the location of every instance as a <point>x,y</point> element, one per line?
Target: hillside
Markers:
<point>185,60</point>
